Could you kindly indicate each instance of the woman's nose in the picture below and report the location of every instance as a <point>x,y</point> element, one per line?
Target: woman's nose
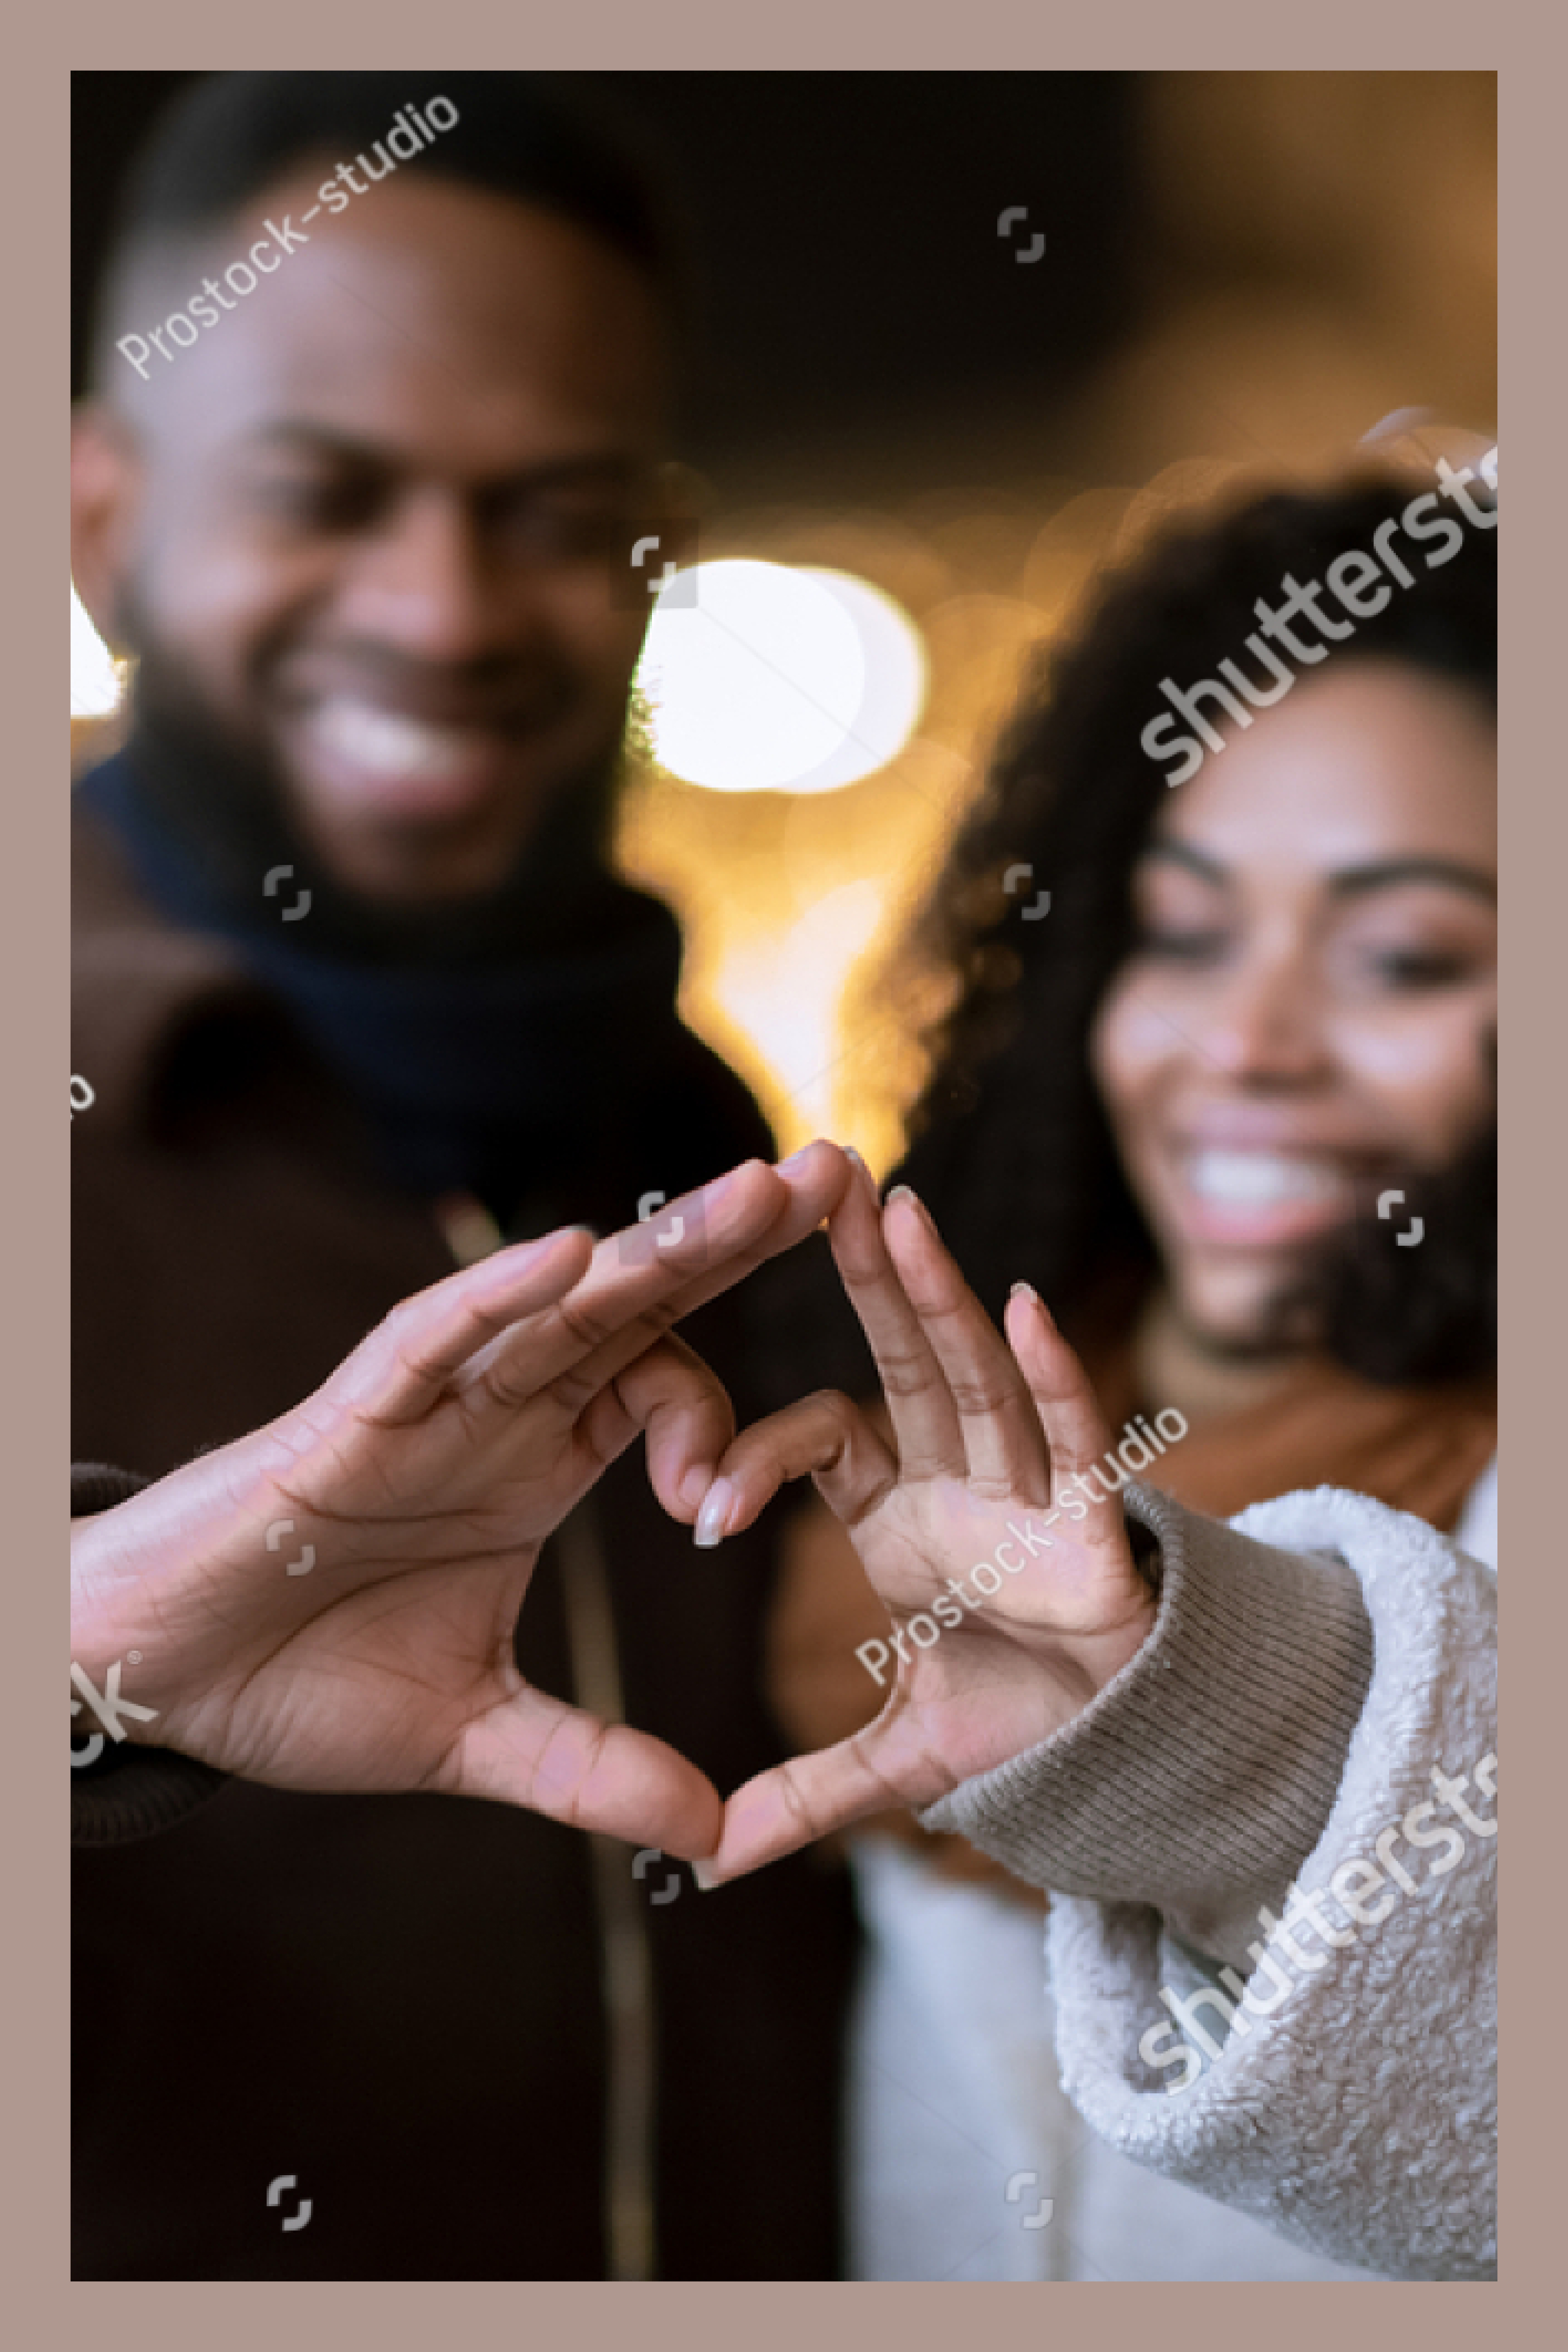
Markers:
<point>1264,1022</point>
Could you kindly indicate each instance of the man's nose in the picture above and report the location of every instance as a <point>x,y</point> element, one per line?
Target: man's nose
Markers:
<point>426,586</point>
<point>1264,1022</point>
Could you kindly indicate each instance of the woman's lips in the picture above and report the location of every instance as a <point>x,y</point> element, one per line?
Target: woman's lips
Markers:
<point>1259,1199</point>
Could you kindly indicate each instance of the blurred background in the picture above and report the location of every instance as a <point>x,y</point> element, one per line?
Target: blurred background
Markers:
<point>963,338</point>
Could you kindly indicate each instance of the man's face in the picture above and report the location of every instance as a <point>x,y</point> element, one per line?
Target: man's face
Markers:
<point>371,532</point>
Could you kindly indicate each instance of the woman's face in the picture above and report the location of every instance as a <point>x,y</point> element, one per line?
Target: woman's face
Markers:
<point>1303,1019</point>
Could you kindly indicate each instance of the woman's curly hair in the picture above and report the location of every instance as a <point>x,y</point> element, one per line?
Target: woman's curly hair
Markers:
<point>1009,1143</point>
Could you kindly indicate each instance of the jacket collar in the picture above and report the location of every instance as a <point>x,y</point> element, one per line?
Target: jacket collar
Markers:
<point>141,987</point>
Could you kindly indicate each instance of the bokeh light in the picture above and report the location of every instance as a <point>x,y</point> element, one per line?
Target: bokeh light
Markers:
<point>779,678</point>
<point>96,683</point>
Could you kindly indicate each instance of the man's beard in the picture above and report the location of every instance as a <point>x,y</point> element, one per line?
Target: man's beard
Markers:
<point>225,801</point>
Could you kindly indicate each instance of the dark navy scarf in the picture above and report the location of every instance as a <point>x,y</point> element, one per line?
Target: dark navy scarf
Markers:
<point>523,1046</point>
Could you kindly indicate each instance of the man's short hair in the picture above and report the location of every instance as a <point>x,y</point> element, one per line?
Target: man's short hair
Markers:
<point>541,139</point>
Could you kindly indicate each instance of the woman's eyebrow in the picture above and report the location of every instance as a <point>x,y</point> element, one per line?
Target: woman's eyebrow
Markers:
<point>1349,881</point>
<point>1388,874</point>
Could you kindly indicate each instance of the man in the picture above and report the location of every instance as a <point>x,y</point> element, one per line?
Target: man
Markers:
<point>358,996</point>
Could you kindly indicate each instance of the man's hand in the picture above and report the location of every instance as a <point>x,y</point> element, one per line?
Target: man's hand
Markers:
<point>1002,1660</point>
<point>425,1476</point>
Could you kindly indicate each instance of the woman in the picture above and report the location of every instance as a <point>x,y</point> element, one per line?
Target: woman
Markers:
<point>1229,1106</point>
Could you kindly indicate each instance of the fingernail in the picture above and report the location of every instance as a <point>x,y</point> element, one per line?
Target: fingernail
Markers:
<point>867,1179</point>
<point>715,1191</point>
<point>715,1510</point>
<point>704,1882</point>
<point>794,1160</point>
<point>695,1484</point>
<point>913,1201</point>
<point>1026,1290</point>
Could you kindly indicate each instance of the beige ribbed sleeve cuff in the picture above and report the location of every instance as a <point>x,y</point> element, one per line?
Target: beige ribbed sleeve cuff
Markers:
<point>1200,1779</point>
<point>128,1791</point>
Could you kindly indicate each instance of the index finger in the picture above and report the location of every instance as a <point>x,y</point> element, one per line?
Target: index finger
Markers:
<point>644,1279</point>
<point>1001,1427</point>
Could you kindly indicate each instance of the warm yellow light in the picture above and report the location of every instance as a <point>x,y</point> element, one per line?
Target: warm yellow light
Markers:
<point>779,678</point>
<point>784,992</point>
<point>95,679</point>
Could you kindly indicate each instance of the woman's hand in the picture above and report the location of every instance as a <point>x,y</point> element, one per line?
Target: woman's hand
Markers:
<point>1012,1604</point>
<point>424,1478</point>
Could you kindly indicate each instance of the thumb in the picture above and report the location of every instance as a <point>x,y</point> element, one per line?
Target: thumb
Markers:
<point>535,1751</point>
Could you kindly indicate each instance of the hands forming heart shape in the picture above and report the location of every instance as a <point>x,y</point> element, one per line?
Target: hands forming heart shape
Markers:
<point>430,1468</point>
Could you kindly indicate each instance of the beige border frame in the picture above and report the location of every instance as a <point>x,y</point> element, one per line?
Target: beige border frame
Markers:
<point>828,34</point>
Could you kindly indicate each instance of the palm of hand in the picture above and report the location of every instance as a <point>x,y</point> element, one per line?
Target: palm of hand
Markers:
<point>979,1670</point>
<point>364,1666</point>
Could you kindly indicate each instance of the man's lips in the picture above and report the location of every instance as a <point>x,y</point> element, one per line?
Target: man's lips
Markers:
<point>364,755</point>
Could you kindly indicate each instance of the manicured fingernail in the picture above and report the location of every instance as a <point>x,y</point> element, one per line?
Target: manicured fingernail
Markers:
<point>910,1200</point>
<point>705,1882</point>
<point>1024,1290</point>
<point>695,1484</point>
<point>862,1171</point>
<point>715,1510</point>
<point>785,1167</point>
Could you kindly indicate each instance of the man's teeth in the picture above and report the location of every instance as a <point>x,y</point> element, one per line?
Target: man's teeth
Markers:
<point>391,745</point>
<point>1263,1179</point>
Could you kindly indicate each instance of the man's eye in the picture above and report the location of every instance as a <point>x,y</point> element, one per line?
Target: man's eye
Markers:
<point>571,534</point>
<point>1172,946</point>
<point>316,504</point>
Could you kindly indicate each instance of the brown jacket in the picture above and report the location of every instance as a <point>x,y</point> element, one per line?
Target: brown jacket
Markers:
<point>400,2000</point>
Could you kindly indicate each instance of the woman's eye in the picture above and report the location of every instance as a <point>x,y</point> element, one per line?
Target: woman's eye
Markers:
<point>1419,967</point>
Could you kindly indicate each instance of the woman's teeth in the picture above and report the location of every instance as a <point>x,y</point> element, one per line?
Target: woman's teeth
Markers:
<point>1264,1179</point>
<point>390,745</point>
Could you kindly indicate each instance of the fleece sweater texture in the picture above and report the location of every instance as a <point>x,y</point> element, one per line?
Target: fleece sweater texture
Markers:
<point>1358,2116</point>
